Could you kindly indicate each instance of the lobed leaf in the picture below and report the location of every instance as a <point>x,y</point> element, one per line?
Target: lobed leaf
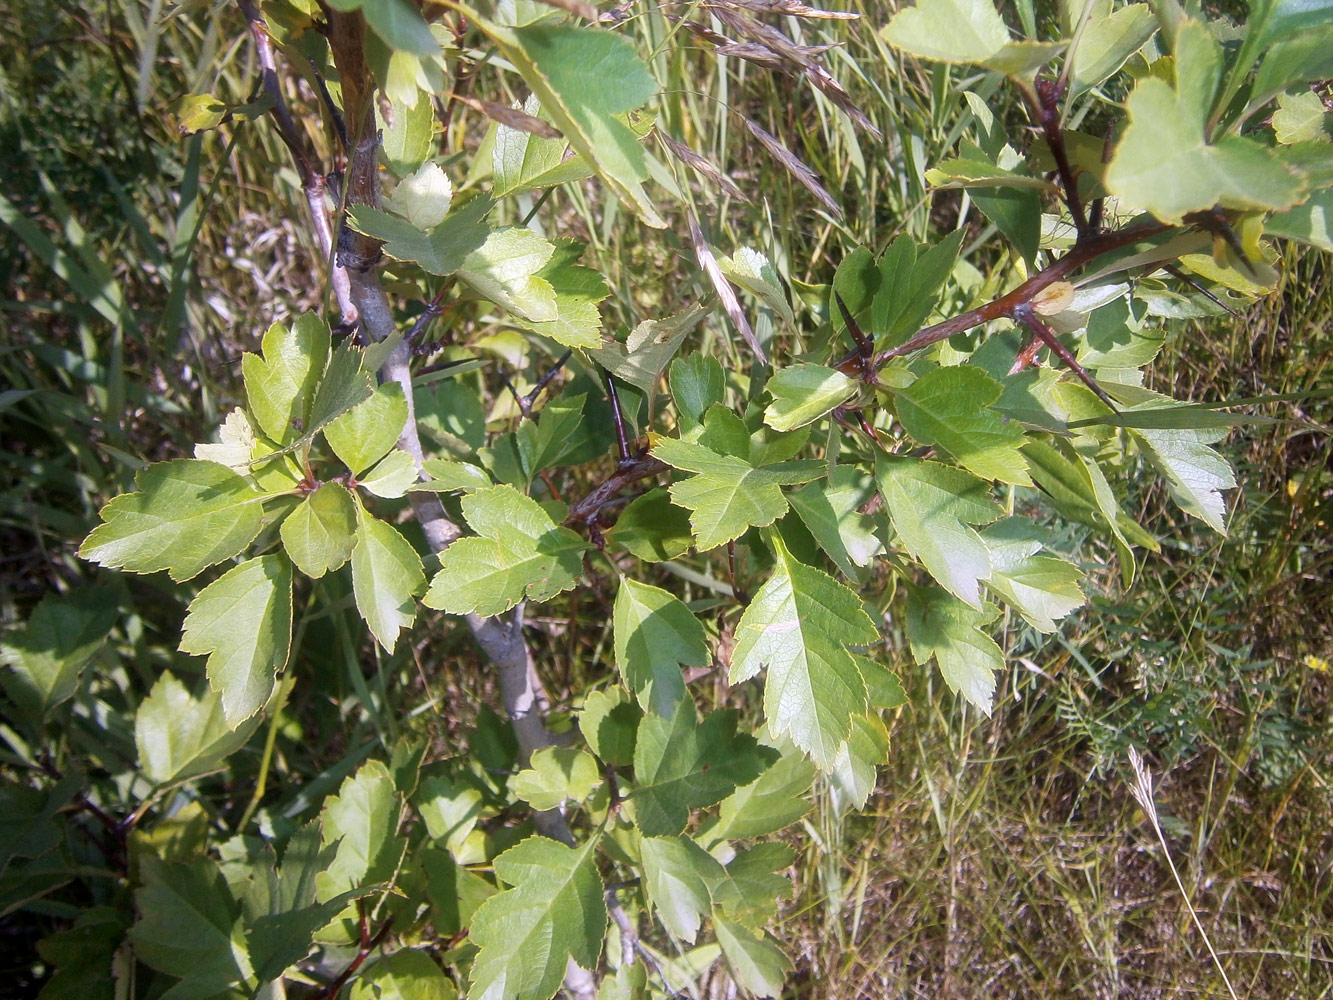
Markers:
<point>933,508</point>
<point>187,515</point>
<point>655,636</point>
<point>950,409</point>
<point>242,621</point>
<point>386,578</point>
<point>682,764</point>
<point>319,535</point>
<point>527,934</point>
<point>945,628</point>
<point>798,626</point>
<point>520,554</point>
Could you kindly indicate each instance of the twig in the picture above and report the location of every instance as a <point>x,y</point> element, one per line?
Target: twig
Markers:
<point>527,401</point>
<point>1045,107</point>
<point>312,179</point>
<point>501,638</point>
<point>622,441</point>
<point>586,510</point>
<point>1083,252</point>
<point>630,948</point>
<point>367,946</point>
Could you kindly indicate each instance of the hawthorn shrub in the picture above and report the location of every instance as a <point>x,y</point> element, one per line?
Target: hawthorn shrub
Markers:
<point>762,524</point>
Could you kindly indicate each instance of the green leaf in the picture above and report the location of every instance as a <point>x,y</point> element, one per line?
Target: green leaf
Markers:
<point>755,959</point>
<point>443,249</point>
<point>649,347</point>
<point>682,764</point>
<point>280,386</point>
<point>751,892</point>
<point>1300,118</point>
<point>30,826</point>
<point>932,508</point>
<point>451,805</point>
<point>520,553</point>
<point>803,393</point>
<point>853,775</point>
<point>398,23</point>
<point>1043,589</point>
<point>408,136</point>
<point>751,270</point>
<point>909,283</point>
<point>539,446</point>
<point>655,636</point>
<point>653,528</point>
<point>189,927</point>
<point>1273,20</point>
<point>557,775</point>
<point>567,68</point>
<point>578,289</point>
<point>949,408</point>
<point>386,578</point>
<point>1165,165</point>
<point>319,535</point>
<point>952,31</point>
<point>1300,59</point>
<point>454,892</point>
<point>609,722</point>
<point>179,736</point>
<point>778,799</point>
<point>368,430</point>
<point>527,934</point>
<point>403,975</point>
<point>1195,474</point>
<point>677,874</point>
<point>831,511</point>
<point>362,819</point>
<point>729,495</point>
<point>1113,343</point>
<point>346,383</point>
<point>392,477</point>
<point>243,622</point>
<point>423,197</point>
<point>84,956</point>
<point>1311,223</point>
<point>697,382</point>
<point>186,516</point>
<point>47,654</point>
<point>938,625</point>
<point>446,476</point>
<point>1107,40</point>
<point>521,161</point>
<point>1016,212</point>
<point>279,903</point>
<point>799,625</point>
<point>199,113</point>
<point>505,269</point>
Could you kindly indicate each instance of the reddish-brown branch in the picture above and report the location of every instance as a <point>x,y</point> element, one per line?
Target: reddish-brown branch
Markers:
<point>1045,107</point>
<point>1083,252</point>
<point>642,467</point>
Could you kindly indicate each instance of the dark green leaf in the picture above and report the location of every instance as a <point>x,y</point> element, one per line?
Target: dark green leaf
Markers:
<point>682,764</point>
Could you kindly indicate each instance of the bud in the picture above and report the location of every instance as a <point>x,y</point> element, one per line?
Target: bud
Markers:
<point>1054,299</point>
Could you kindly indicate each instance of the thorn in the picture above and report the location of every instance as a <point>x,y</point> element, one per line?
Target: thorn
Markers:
<point>1024,314</point>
